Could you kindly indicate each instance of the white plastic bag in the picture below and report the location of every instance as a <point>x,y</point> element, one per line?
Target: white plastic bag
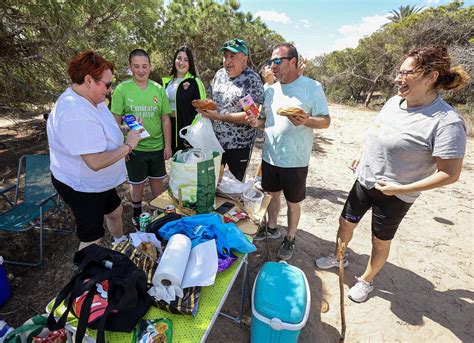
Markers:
<point>200,134</point>
<point>230,185</point>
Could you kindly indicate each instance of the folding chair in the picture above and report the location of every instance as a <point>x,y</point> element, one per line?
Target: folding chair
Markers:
<point>39,196</point>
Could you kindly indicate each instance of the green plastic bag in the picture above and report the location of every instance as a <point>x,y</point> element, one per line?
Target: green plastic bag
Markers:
<point>195,183</point>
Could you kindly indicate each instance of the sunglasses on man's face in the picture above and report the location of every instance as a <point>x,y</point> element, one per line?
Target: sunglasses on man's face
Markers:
<point>278,60</point>
<point>107,85</point>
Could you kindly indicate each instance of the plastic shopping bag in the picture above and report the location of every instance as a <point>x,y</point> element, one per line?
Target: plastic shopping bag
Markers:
<point>200,134</point>
<point>195,183</point>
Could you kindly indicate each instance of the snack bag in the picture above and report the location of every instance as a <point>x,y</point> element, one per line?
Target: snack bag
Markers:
<point>249,106</point>
<point>154,331</point>
<point>133,124</point>
<point>234,216</point>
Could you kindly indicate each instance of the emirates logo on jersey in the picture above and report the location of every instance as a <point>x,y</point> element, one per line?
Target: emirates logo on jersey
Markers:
<point>155,99</point>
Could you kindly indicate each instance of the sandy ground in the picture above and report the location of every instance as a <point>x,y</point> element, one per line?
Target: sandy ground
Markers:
<point>425,291</point>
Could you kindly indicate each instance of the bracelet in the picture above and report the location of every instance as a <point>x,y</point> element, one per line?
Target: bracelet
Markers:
<point>130,148</point>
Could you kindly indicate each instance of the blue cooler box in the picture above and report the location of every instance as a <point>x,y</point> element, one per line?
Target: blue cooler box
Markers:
<point>280,303</point>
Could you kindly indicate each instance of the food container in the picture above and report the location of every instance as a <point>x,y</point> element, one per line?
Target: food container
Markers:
<point>252,199</point>
<point>280,303</point>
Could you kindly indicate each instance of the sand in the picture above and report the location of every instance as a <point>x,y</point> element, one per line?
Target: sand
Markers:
<point>425,291</point>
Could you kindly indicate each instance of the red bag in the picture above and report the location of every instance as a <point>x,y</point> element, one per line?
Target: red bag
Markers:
<point>58,336</point>
<point>99,302</point>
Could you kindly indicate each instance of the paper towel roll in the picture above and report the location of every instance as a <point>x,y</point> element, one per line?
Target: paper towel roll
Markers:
<point>173,263</point>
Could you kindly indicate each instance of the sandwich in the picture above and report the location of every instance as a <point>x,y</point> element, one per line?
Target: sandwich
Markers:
<point>204,104</point>
<point>148,249</point>
<point>292,111</point>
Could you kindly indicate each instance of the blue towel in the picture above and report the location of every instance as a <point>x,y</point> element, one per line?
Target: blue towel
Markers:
<point>204,227</point>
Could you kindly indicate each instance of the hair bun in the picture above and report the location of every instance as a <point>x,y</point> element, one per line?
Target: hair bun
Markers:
<point>456,79</point>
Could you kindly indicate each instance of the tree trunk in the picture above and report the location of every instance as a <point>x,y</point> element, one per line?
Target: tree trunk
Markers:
<point>372,90</point>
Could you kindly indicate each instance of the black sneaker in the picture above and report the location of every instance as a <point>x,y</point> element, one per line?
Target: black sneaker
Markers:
<point>286,250</point>
<point>272,233</point>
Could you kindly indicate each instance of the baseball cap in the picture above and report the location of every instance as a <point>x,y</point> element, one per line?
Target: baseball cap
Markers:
<point>235,45</point>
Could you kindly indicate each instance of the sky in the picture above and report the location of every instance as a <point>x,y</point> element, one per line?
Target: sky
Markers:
<point>322,26</point>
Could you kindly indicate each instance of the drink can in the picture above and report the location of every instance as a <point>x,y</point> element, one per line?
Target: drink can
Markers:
<point>145,219</point>
<point>170,209</point>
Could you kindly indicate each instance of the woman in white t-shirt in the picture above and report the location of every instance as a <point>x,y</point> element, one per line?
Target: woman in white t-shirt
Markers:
<point>416,143</point>
<point>87,149</point>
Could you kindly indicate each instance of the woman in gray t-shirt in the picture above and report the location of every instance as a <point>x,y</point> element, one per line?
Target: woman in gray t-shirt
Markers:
<point>416,143</point>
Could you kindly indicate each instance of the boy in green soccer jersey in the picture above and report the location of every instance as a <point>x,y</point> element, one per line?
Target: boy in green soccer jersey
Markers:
<point>147,101</point>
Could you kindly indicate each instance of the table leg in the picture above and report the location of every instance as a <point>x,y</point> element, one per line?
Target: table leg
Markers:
<point>238,319</point>
<point>266,236</point>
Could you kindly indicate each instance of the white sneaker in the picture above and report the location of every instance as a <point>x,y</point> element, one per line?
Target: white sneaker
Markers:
<point>360,290</point>
<point>331,261</point>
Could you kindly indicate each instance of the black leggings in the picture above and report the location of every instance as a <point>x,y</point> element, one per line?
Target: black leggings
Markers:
<point>238,160</point>
<point>387,210</point>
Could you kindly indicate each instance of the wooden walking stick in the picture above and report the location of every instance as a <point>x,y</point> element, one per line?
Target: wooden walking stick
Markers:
<point>341,251</point>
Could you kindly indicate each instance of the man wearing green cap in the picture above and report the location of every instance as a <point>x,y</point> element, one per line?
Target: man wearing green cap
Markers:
<point>229,85</point>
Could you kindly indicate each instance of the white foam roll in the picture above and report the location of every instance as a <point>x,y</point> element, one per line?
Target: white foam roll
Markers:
<point>172,265</point>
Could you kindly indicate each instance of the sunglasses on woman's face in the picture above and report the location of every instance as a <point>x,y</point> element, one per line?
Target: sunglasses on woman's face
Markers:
<point>278,60</point>
<point>107,85</point>
<point>405,73</point>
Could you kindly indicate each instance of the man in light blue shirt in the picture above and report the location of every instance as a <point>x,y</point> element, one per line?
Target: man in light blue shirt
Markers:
<point>288,140</point>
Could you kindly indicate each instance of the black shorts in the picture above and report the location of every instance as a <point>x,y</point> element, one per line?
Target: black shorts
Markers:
<point>387,210</point>
<point>88,209</point>
<point>237,159</point>
<point>291,180</point>
<point>145,164</point>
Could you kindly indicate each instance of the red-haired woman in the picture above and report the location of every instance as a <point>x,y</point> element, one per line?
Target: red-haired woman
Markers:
<point>87,149</point>
<point>416,143</point>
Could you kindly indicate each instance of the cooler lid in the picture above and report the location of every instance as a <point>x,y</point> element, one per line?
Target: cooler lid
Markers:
<point>280,292</point>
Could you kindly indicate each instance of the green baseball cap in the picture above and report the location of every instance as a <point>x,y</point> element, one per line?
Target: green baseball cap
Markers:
<point>235,45</point>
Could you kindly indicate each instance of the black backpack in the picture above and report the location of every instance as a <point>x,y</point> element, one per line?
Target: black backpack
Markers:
<point>127,298</point>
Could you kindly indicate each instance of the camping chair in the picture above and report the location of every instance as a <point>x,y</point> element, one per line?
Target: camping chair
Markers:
<point>39,197</point>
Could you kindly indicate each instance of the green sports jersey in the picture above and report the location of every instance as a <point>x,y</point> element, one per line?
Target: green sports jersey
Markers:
<point>147,104</point>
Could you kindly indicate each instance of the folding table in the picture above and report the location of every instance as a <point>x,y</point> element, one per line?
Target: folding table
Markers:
<point>187,328</point>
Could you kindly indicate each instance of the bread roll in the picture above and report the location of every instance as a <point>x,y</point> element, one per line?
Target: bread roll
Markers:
<point>149,249</point>
<point>204,104</point>
<point>292,111</point>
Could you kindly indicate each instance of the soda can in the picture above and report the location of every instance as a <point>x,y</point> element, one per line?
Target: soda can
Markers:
<point>170,209</point>
<point>145,219</point>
